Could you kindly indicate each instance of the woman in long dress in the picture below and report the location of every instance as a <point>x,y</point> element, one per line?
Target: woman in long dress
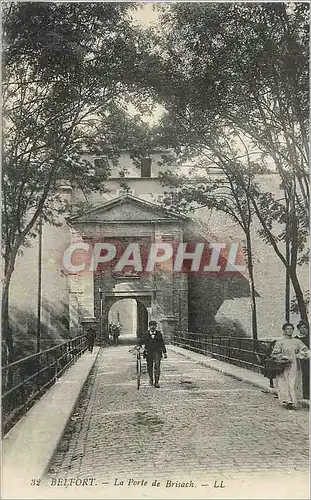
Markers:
<point>287,382</point>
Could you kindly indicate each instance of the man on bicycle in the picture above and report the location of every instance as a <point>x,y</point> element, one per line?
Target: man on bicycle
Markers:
<point>154,347</point>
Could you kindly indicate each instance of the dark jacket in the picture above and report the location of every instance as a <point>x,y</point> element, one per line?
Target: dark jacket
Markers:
<point>153,345</point>
<point>91,334</point>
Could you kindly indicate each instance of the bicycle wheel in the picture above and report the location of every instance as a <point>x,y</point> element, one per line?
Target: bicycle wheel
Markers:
<point>138,372</point>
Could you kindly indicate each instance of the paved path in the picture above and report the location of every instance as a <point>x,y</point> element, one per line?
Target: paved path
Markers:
<point>200,425</point>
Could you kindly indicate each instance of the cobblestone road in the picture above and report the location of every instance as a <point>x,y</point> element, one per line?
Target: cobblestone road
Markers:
<point>199,424</point>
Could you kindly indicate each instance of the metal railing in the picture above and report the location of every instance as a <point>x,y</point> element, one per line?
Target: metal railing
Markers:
<point>244,352</point>
<point>25,380</point>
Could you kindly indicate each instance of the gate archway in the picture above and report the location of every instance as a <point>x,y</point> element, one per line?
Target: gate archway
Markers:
<point>132,314</point>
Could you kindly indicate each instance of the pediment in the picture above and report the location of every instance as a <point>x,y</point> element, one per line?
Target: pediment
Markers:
<point>127,209</point>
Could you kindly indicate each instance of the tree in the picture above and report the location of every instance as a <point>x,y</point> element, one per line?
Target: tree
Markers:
<point>245,67</point>
<point>67,68</point>
<point>229,192</point>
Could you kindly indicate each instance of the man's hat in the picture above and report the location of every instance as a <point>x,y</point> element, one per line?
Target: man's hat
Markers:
<point>152,322</point>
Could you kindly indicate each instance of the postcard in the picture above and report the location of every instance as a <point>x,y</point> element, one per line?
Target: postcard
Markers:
<point>155,231</point>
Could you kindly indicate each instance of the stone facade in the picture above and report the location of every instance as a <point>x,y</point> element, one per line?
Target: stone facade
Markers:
<point>134,220</point>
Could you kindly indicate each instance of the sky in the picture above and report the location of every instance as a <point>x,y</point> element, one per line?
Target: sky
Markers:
<point>146,14</point>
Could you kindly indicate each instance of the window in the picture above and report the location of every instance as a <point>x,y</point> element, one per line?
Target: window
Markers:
<point>145,169</point>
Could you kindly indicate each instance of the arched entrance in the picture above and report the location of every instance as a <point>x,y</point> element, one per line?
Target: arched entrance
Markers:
<point>132,314</point>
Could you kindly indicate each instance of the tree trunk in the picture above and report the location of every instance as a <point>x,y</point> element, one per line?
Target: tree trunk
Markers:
<point>292,268</point>
<point>250,268</point>
<point>287,285</point>
<point>287,257</point>
<point>7,336</point>
<point>6,329</point>
<point>298,292</point>
<point>9,264</point>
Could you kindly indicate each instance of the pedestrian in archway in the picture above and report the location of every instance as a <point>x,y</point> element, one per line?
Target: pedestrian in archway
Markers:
<point>90,336</point>
<point>154,349</point>
<point>303,335</point>
<point>110,333</point>
<point>291,350</point>
<point>115,334</point>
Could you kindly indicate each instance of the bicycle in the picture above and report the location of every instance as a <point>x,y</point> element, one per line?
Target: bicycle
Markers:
<point>138,364</point>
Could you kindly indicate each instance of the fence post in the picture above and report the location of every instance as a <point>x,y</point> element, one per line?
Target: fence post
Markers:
<point>55,365</point>
<point>229,348</point>
<point>38,371</point>
<point>257,357</point>
<point>80,347</point>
